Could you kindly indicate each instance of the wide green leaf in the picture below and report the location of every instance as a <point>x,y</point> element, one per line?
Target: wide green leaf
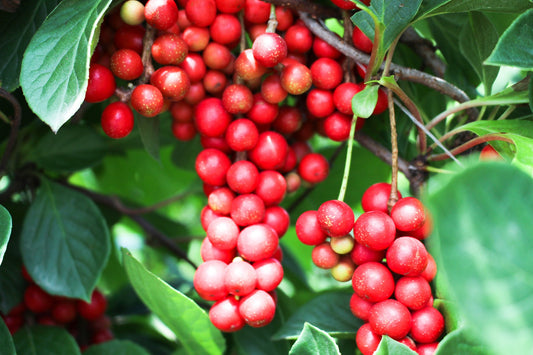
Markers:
<point>389,346</point>
<point>454,6</point>
<point>514,46</point>
<point>5,231</point>
<point>12,285</point>
<point>183,316</point>
<point>488,265</point>
<point>364,102</point>
<point>16,31</point>
<point>6,342</point>
<point>340,321</point>
<point>73,148</point>
<point>116,347</point>
<point>476,42</point>
<point>461,341</point>
<point>45,340</point>
<point>65,241</point>
<point>55,67</point>
<point>149,131</point>
<point>312,341</point>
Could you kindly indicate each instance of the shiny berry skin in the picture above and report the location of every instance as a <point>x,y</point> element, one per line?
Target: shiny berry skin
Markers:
<point>367,340</point>
<point>161,14</point>
<point>269,49</point>
<point>270,151</point>
<point>427,325</point>
<point>288,121</point>
<point>375,230</point>
<point>215,82</point>
<point>210,252</point>
<point>324,256</point>
<point>320,103</point>
<point>223,233</point>
<point>323,49</point>
<point>242,177</point>
<point>258,308</point>
<point>247,209</point>
<point>242,135</point>
<point>247,67</point>
<point>240,278</point>
<point>196,38</point>
<point>407,256</point>
<point>413,292</point>
<point>225,29</point>
<point>130,37</point>
<point>117,120</point>
<point>278,218</point>
<point>376,197</point>
<point>342,245</point>
<point>257,242</point>
<point>169,49</point>
<point>391,318</point>
<point>361,41</point>
<point>269,274</point>
<point>95,308</point>
<point>217,56</point>
<point>382,104</point>
<point>313,168</point>
<point>256,11</point>
<point>360,307</point>
<point>272,90</point>
<point>224,315</point>
<point>298,38</point>
<point>326,73</point>
<point>431,269</point>
<point>408,214</point>
<point>337,126</point>
<point>37,300</point>
<point>126,64</point>
<point>194,66</point>
<point>373,282</point>
<point>132,12</point>
<point>211,118</point>
<point>361,254</point>
<point>172,82</point>
<point>237,98</point>
<point>271,187</point>
<point>336,218</point>
<point>296,78</point>
<point>101,85</point>
<point>147,100</point>
<point>211,166</point>
<point>308,229</point>
<point>488,153</point>
<point>229,6</point>
<point>220,200</point>
<point>208,280</point>
<point>201,13</point>
<point>343,94</point>
<point>427,349</point>
<point>262,112</point>
<point>207,215</point>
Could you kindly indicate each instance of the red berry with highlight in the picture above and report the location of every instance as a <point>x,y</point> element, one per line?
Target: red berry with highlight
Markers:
<point>117,120</point>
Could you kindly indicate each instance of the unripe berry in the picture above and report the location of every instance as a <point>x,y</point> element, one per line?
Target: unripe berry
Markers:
<point>132,12</point>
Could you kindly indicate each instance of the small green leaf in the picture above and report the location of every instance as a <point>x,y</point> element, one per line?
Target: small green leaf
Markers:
<point>16,31</point>
<point>364,102</point>
<point>340,321</point>
<point>45,340</point>
<point>149,130</point>
<point>488,265</point>
<point>476,42</point>
<point>6,342</point>
<point>55,67</point>
<point>438,7</point>
<point>514,46</point>
<point>183,316</point>
<point>65,241</point>
<point>5,231</point>
<point>461,341</point>
<point>73,148</point>
<point>389,346</point>
<point>115,347</point>
<point>312,341</point>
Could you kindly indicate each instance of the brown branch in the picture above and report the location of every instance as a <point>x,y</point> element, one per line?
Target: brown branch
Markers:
<point>393,197</point>
<point>310,7</point>
<point>149,229</point>
<point>399,71</point>
<point>470,144</point>
<point>15,124</point>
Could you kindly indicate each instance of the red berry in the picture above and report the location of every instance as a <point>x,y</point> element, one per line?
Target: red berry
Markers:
<point>64,311</point>
<point>489,153</point>
<point>343,94</point>
<point>184,131</point>
<point>361,254</point>
<point>408,214</point>
<point>217,56</point>
<point>229,6</point>
<point>326,73</point>
<point>147,100</point>
<point>242,135</point>
<point>117,120</point>
<point>289,120</point>
<point>360,307</point>
<point>323,49</point>
<point>211,118</point>
<point>270,151</point>
<point>223,233</point>
<point>337,126</point>
<point>278,218</point>
<point>101,85</point>
<point>95,308</point>
<point>269,274</point>
<point>296,78</point>
<point>257,242</point>
<point>209,281</point>
<point>391,318</point>
<point>376,197</point>
<point>375,230</point>
<point>361,41</point>
<point>271,187</point>
<point>247,67</point>
<point>126,64</point>
<point>242,177</point>
<point>194,66</point>
<point>102,336</point>
<point>37,300</point>
<point>431,269</point>
<point>169,49</point>
<point>129,37</point>
<point>201,13</point>
<point>407,256</point>
<point>240,278</point>
<point>225,29</point>
<point>257,308</point>
<point>224,315</point>
<point>237,98</point>
<point>413,292</point>
<point>313,168</point>
<point>256,11</point>
<point>196,38</point>
<point>220,200</point>
<point>247,209</point>
<point>320,103</point>
<point>269,49</point>
<point>427,349</point>
<point>272,90</point>
<point>210,252</point>
<point>367,340</point>
<point>172,82</point>
<point>211,166</point>
<point>298,38</point>
<point>373,282</point>
<point>308,229</point>
<point>324,256</point>
<point>262,112</point>
<point>427,325</point>
<point>336,218</point>
<point>161,14</point>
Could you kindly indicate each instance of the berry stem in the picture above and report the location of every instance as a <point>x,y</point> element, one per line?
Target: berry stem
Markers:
<point>470,144</point>
<point>348,161</point>
<point>147,54</point>
<point>348,65</point>
<point>393,198</point>
<point>272,20</point>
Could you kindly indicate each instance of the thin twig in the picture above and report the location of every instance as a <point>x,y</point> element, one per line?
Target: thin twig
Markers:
<point>15,124</point>
<point>470,144</point>
<point>393,197</point>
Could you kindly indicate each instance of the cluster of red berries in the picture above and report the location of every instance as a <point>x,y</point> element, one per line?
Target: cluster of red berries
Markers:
<point>387,263</point>
<point>39,307</point>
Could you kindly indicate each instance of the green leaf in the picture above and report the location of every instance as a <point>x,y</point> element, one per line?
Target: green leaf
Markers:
<point>461,341</point>
<point>476,41</point>
<point>488,265</point>
<point>530,95</point>
<point>55,67</point>
<point>389,346</point>
<point>514,46</point>
<point>313,340</point>
<point>16,31</point>
<point>45,340</point>
<point>65,241</point>
<point>340,321</point>
<point>5,231</point>
<point>149,130</point>
<point>183,316</point>
<point>519,131</point>
<point>364,102</point>
<point>394,15</point>
<point>6,342</point>
<point>437,7</point>
<point>116,347</point>
<point>12,285</point>
<point>73,148</point>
